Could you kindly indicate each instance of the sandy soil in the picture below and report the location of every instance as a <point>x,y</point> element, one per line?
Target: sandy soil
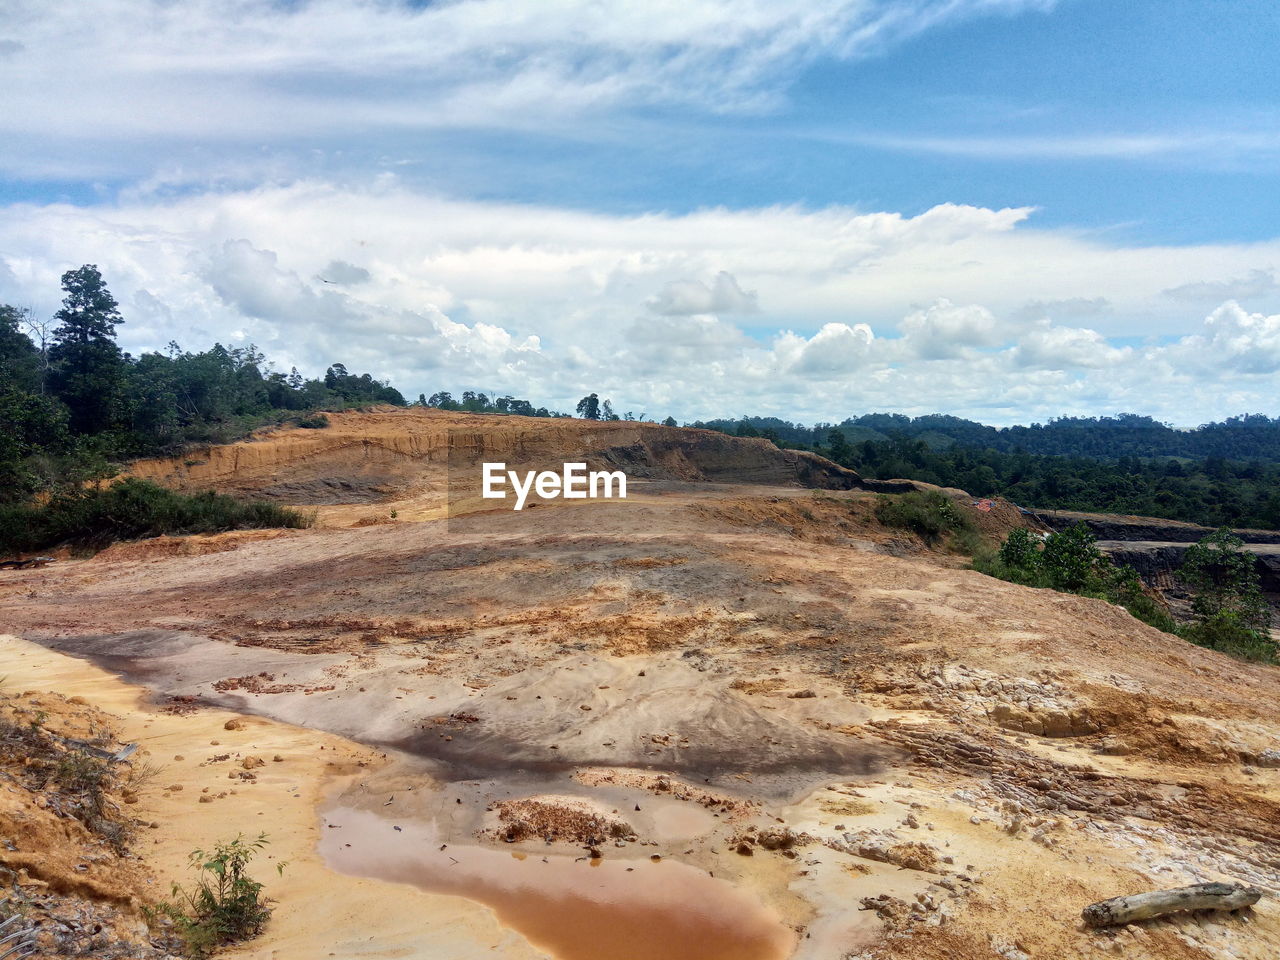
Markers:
<point>875,751</point>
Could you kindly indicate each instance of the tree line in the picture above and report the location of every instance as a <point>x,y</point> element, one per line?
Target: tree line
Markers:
<point>71,401</point>
<point>1246,437</point>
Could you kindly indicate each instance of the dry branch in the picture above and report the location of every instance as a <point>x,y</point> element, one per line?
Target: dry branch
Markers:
<point>1144,906</point>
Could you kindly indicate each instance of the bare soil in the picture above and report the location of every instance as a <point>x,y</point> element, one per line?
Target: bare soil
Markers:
<point>959,765</point>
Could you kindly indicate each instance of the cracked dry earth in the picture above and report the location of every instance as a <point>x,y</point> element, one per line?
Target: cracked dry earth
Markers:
<point>715,721</point>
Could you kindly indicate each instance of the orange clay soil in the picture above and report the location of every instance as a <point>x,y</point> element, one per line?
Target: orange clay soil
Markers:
<point>957,765</point>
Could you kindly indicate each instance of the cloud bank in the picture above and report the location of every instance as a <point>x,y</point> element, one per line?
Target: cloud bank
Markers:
<point>807,314</point>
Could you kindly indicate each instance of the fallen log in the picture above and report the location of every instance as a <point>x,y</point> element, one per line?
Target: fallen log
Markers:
<point>1144,906</point>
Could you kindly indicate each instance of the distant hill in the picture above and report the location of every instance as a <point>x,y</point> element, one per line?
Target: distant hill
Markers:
<point>1248,437</point>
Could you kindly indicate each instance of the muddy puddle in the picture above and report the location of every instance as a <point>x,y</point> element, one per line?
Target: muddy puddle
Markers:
<point>575,909</point>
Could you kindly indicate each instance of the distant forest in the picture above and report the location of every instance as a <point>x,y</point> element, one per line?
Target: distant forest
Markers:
<point>72,403</point>
<point>1220,474</point>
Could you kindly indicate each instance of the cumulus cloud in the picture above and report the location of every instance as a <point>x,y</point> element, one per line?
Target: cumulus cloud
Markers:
<point>339,271</point>
<point>551,304</point>
<point>688,297</point>
<point>945,330</point>
<point>1232,341</point>
<point>1051,347</point>
<point>834,350</point>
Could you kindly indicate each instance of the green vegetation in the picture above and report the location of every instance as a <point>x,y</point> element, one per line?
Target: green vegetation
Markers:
<point>93,517</point>
<point>1231,614</point>
<point>78,781</point>
<point>473,402</point>
<point>72,403</point>
<point>1070,561</point>
<point>932,516</point>
<point>226,905</point>
<point>1224,474</point>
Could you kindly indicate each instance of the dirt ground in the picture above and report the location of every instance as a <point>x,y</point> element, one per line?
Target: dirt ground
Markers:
<point>841,743</point>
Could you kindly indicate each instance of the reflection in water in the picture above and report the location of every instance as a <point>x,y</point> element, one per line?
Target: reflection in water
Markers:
<point>609,909</point>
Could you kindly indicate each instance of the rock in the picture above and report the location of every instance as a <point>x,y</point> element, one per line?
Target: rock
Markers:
<point>802,694</point>
<point>252,763</point>
<point>233,724</point>
<point>1269,758</point>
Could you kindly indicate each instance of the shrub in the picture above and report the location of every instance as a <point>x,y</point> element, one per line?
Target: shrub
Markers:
<point>317,421</point>
<point>131,509</point>
<point>1231,613</point>
<point>1227,633</point>
<point>1020,549</point>
<point>1071,563</point>
<point>930,515</point>
<point>226,905</point>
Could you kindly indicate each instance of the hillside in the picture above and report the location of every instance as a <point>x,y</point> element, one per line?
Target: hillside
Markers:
<point>733,707</point>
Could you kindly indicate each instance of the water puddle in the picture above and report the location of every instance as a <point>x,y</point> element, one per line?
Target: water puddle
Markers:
<point>607,909</point>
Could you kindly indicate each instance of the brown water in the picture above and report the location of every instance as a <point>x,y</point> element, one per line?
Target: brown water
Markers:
<point>607,909</point>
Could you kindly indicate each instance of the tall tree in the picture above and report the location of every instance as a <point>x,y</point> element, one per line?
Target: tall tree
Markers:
<point>589,407</point>
<point>85,362</point>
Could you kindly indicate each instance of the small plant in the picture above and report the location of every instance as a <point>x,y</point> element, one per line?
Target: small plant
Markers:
<point>316,421</point>
<point>931,516</point>
<point>226,905</point>
<point>394,514</point>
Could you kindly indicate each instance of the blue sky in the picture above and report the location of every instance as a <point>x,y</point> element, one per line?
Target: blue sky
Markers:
<point>1001,208</point>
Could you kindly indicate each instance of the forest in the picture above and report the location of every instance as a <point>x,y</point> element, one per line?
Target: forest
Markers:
<point>1214,491</point>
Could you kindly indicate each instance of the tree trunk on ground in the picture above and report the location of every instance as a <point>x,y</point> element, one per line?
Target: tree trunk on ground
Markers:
<point>1144,906</point>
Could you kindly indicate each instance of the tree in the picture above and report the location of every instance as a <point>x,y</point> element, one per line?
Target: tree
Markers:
<point>89,312</point>
<point>606,411</point>
<point>85,362</point>
<point>20,361</point>
<point>669,422</point>
<point>589,407</point>
<point>1225,580</point>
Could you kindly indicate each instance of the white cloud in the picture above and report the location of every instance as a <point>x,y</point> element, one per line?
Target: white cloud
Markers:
<point>834,350</point>
<point>550,304</point>
<point>1050,347</point>
<point>945,330</point>
<point>687,297</point>
<point>1233,341</point>
<point>254,72</point>
<point>1258,283</point>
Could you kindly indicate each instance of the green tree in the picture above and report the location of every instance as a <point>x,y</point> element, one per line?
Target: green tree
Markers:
<point>1225,580</point>
<point>1071,558</point>
<point>86,363</point>
<point>19,358</point>
<point>589,407</point>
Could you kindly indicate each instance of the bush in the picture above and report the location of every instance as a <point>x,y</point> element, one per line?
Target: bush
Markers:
<point>131,509</point>
<point>930,515</point>
<point>1227,633</point>
<point>315,422</point>
<point>1231,613</point>
<point>1071,563</point>
<point>226,904</point>
<point>1020,549</point>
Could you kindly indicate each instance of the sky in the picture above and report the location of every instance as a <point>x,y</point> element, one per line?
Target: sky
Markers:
<point>1007,210</point>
